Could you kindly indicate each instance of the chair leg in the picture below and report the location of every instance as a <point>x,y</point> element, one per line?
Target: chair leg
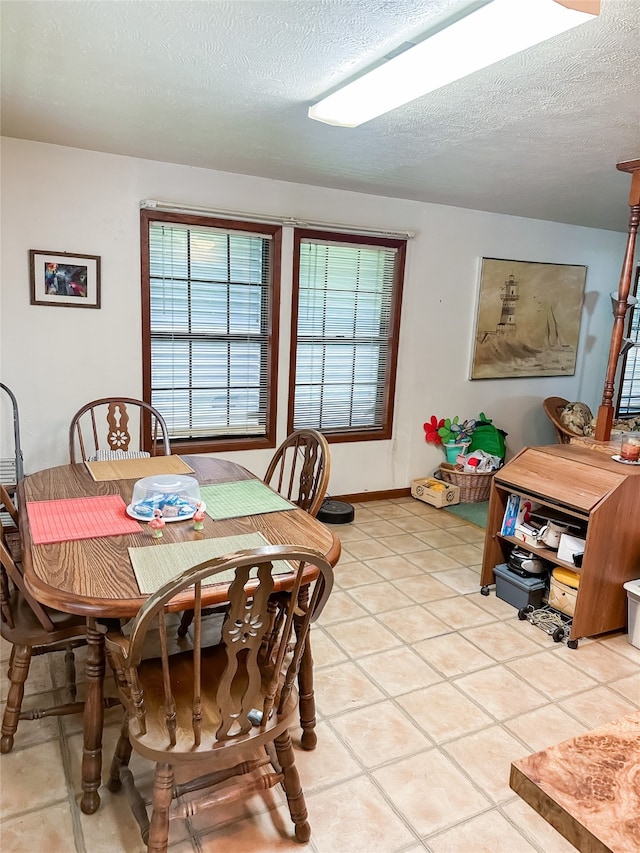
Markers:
<point>93,719</point>
<point>162,791</point>
<point>11,657</point>
<point>18,672</point>
<point>292,787</point>
<point>185,622</point>
<point>306,699</point>
<point>70,673</point>
<point>138,805</point>
<point>5,599</point>
<point>121,757</point>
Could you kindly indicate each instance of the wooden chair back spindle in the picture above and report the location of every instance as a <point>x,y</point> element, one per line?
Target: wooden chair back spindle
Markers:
<point>196,712</point>
<point>8,505</point>
<point>6,613</point>
<point>169,702</point>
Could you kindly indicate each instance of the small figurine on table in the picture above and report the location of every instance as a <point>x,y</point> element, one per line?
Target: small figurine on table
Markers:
<point>198,517</point>
<point>157,524</point>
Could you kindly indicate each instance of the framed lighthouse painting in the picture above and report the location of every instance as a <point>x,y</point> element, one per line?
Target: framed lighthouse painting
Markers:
<point>528,319</point>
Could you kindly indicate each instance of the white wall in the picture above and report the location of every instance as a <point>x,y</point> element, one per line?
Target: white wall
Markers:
<point>55,359</point>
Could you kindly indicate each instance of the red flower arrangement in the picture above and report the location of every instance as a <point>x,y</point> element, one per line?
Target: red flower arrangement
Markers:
<point>431,430</point>
<point>445,430</point>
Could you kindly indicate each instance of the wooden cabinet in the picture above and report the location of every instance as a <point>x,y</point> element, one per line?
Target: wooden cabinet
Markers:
<point>603,497</point>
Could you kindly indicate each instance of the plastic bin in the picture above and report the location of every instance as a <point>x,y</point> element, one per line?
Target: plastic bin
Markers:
<point>633,604</point>
<point>517,591</point>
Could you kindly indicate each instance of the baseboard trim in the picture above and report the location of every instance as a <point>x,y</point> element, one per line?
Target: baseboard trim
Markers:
<point>382,495</point>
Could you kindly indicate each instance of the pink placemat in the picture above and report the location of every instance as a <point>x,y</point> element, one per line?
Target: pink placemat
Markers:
<point>79,518</point>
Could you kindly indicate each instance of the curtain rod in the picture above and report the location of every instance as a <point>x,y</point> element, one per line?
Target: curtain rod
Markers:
<point>153,204</point>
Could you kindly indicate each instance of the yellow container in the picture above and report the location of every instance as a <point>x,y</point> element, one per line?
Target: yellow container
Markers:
<point>567,577</point>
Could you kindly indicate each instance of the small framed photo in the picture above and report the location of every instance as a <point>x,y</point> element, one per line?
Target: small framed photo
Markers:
<point>64,279</point>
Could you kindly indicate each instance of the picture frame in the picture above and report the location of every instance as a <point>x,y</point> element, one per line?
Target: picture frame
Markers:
<point>527,319</point>
<point>64,279</point>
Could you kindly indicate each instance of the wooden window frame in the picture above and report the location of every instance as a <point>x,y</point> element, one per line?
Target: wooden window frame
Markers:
<point>212,444</point>
<point>347,435</point>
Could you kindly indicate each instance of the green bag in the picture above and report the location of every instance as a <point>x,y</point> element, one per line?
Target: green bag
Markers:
<point>487,437</point>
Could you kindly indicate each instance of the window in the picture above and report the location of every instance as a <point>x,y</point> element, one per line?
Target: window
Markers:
<point>347,292</point>
<point>629,395</point>
<point>210,293</point>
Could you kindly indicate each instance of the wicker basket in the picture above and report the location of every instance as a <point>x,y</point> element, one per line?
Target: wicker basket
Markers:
<point>473,487</point>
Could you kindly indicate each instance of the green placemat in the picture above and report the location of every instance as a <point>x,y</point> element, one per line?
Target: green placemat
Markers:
<point>243,497</point>
<point>156,565</point>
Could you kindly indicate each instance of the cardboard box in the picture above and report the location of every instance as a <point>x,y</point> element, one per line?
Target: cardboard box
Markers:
<point>429,490</point>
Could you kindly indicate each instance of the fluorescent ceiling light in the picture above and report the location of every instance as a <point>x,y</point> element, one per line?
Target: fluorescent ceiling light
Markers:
<point>497,30</point>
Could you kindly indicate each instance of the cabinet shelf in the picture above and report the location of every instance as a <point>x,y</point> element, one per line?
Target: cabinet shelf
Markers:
<point>604,497</point>
<point>544,553</point>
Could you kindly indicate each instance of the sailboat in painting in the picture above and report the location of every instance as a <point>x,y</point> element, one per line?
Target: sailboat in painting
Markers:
<point>553,334</point>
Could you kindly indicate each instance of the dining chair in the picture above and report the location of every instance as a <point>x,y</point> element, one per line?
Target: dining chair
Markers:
<point>32,629</point>
<point>222,712</point>
<point>554,407</point>
<point>300,468</point>
<point>299,471</point>
<point>101,430</point>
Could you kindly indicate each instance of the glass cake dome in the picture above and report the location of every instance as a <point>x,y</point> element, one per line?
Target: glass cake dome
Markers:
<point>176,497</point>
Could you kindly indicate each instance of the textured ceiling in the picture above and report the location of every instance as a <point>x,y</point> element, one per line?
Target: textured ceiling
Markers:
<point>226,85</point>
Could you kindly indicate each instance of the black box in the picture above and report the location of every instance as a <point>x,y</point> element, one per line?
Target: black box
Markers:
<point>517,591</point>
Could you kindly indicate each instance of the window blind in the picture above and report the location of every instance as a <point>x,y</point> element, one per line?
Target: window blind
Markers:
<point>209,329</point>
<point>344,335</point>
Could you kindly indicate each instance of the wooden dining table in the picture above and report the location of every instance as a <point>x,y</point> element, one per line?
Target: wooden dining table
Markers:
<point>94,577</point>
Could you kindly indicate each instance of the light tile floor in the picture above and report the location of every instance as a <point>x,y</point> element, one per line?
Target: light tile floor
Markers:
<point>426,691</point>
